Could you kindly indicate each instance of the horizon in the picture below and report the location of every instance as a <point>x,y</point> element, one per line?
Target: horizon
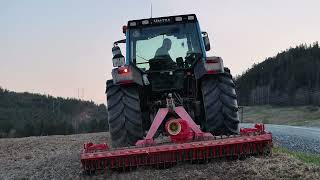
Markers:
<point>60,48</point>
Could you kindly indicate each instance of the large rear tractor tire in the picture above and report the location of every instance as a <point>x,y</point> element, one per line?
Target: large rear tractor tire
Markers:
<point>220,104</point>
<point>124,114</point>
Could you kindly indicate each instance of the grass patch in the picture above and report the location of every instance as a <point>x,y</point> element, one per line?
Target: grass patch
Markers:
<point>304,157</point>
<point>294,115</point>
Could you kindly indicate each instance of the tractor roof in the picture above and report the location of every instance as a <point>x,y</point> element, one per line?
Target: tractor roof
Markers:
<point>162,20</point>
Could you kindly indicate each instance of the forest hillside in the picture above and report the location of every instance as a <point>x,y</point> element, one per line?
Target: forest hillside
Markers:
<point>292,77</point>
<point>27,114</point>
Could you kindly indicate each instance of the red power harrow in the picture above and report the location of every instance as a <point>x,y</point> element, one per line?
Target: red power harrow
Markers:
<point>187,143</point>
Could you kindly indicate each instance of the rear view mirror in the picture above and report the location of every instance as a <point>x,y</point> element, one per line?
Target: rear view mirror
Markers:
<point>206,41</point>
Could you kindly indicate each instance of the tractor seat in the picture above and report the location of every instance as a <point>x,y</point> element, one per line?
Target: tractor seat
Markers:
<point>162,63</point>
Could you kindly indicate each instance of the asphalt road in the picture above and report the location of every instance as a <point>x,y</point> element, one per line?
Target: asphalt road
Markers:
<point>297,138</point>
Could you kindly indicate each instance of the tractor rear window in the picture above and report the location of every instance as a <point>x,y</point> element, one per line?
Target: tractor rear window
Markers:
<point>169,42</point>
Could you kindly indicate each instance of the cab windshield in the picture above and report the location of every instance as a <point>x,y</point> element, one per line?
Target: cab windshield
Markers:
<point>170,42</point>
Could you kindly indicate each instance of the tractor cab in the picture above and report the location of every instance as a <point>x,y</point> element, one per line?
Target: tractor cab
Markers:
<point>163,50</point>
<point>164,43</point>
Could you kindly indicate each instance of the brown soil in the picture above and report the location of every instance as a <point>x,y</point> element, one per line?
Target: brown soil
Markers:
<point>57,157</point>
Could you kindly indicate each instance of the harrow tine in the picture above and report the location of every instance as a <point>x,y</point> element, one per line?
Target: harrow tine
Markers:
<point>105,165</point>
<point>158,160</point>
<point>91,167</point>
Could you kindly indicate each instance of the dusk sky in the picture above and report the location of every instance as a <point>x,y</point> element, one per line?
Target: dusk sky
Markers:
<point>57,47</point>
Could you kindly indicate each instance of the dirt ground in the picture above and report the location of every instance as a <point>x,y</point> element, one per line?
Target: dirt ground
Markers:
<point>57,157</point>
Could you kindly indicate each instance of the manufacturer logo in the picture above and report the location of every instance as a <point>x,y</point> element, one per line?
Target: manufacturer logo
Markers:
<point>162,20</point>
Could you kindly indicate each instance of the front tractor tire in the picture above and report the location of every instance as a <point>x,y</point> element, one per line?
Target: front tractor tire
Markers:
<point>124,114</point>
<point>220,104</point>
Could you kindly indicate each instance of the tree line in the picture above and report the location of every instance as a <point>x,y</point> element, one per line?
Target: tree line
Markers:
<point>282,75</point>
<point>28,114</point>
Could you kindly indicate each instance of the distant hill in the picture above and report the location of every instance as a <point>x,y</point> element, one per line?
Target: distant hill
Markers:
<point>27,114</point>
<point>292,77</point>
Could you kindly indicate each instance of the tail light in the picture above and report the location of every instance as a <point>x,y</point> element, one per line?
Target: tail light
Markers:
<point>123,70</point>
<point>212,61</point>
<point>123,75</point>
<point>213,65</point>
<point>126,75</point>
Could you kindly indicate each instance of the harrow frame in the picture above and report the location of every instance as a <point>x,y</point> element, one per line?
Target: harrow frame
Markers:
<point>204,147</point>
